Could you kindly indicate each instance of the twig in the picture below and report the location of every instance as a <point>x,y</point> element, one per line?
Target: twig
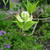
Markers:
<point>36,24</point>
<point>33,29</point>
<point>11,13</point>
<point>41,18</point>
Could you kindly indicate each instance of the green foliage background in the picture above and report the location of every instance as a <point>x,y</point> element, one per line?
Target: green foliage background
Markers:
<point>19,42</point>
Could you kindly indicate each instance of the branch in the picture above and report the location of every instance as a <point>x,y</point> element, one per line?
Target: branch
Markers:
<point>33,29</point>
<point>41,18</point>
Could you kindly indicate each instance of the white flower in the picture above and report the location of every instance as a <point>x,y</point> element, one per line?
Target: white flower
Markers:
<point>25,15</point>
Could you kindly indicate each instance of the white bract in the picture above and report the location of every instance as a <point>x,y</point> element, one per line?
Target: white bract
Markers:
<point>24,21</point>
<point>25,17</point>
<point>19,18</point>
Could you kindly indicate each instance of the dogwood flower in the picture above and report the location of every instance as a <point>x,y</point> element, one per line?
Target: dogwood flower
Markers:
<point>25,17</point>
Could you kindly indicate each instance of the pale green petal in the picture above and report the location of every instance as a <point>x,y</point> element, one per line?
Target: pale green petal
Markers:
<point>19,18</point>
<point>25,15</point>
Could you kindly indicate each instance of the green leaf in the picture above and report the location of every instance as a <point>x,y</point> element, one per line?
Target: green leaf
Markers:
<point>5,3</point>
<point>28,25</point>
<point>31,7</point>
<point>19,18</point>
<point>20,24</point>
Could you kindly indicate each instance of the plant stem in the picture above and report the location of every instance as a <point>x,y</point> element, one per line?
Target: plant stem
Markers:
<point>33,29</point>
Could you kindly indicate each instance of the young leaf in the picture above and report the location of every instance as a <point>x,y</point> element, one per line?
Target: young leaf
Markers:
<point>19,18</point>
<point>28,25</point>
<point>5,3</point>
<point>31,7</point>
<point>20,24</point>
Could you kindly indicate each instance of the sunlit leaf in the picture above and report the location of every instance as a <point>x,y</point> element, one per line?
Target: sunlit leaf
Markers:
<point>20,24</point>
<point>29,24</point>
<point>19,18</point>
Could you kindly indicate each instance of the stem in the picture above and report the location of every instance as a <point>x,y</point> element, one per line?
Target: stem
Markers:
<point>33,29</point>
<point>41,18</point>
